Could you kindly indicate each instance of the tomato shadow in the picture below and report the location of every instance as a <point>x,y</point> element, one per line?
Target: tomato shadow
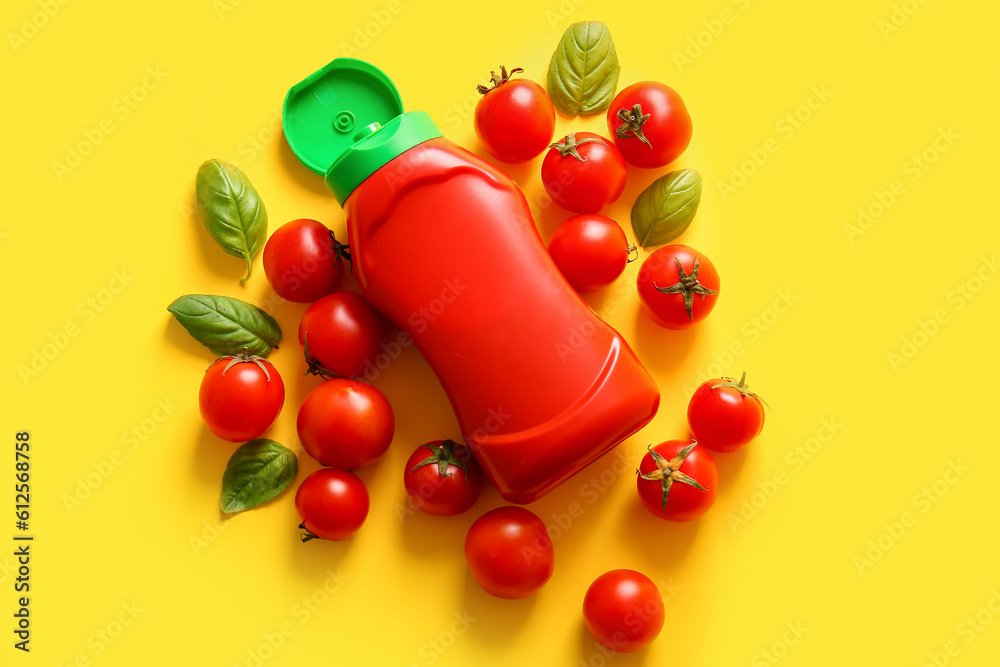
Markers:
<point>665,543</point>
<point>497,620</point>
<point>729,465</point>
<point>302,174</point>
<point>211,454</point>
<point>432,536</point>
<point>314,559</point>
<point>593,653</point>
<point>637,179</point>
<point>658,347</point>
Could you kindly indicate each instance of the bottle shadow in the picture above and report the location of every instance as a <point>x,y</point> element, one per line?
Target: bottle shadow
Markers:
<point>658,347</point>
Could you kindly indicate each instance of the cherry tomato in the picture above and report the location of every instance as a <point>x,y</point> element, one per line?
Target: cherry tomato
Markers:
<point>345,424</point>
<point>678,286</point>
<point>302,260</point>
<point>240,397</point>
<point>442,478</point>
<point>333,504</point>
<point>677,479</point>
<point>583,173</point>
<point>623,610</point>
<point>590,250</point>
<point>514,119</point>
<point>650,124</point>
<point>509,552</point>
<point>725,415</point>
<point>344,333</point>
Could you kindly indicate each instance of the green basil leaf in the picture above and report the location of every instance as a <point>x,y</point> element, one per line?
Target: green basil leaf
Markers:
<point>232,210</point>
<point>257,472</point>
<point>226,325</point>
<point>583,72</point>
<point>664,210</point>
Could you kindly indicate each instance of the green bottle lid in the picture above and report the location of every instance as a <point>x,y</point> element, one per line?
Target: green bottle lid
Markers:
<point>346,120</point>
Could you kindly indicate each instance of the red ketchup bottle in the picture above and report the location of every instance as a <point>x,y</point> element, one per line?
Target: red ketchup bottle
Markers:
<point>445,246</point>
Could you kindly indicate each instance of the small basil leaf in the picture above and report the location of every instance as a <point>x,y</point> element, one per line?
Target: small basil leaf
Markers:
<point>226,325</point>
<point>232,210</point>
<point>583,72</point>
<point>257,472</point>
<point>664,210</point>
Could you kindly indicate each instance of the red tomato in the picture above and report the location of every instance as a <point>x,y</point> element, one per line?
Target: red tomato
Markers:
<point>514,119</point>
<point>623,610</point>
<point>509,552</point>
<point>442,478</point>
<point>240,397</point>
<point>344,333</point>
<point>333,504</point>
<point>650,124</point>
<point>345,424</point>
<point>590,250</point>
<point>677,286</point>
<point>583,173</point>
<point>302,260</point>
<point>677,480</point>
<point>725,415</point>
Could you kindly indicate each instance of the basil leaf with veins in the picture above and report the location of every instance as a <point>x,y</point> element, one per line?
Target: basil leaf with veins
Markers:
<point>232,210</point>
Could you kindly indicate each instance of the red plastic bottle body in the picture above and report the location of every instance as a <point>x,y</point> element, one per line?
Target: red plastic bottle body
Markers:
<point>444,244</point>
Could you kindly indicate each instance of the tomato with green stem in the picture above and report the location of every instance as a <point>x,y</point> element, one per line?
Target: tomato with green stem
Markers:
<point>514,118</point>
<point>724,415</point>
<point>650,124</point>
<point>678,286</point>
<point>583,173</point>
<point>442,478</point>
<point>240,396</point>
<point>677,480</point>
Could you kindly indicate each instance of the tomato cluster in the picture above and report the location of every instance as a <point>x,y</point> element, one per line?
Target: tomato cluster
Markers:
<point>345,423</point>
<point>585,173</point>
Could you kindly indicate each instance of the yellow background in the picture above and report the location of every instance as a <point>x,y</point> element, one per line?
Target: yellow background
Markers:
<point>211,591</point>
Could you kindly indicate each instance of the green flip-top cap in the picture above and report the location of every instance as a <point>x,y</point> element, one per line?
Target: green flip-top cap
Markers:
<point>346,120</point>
